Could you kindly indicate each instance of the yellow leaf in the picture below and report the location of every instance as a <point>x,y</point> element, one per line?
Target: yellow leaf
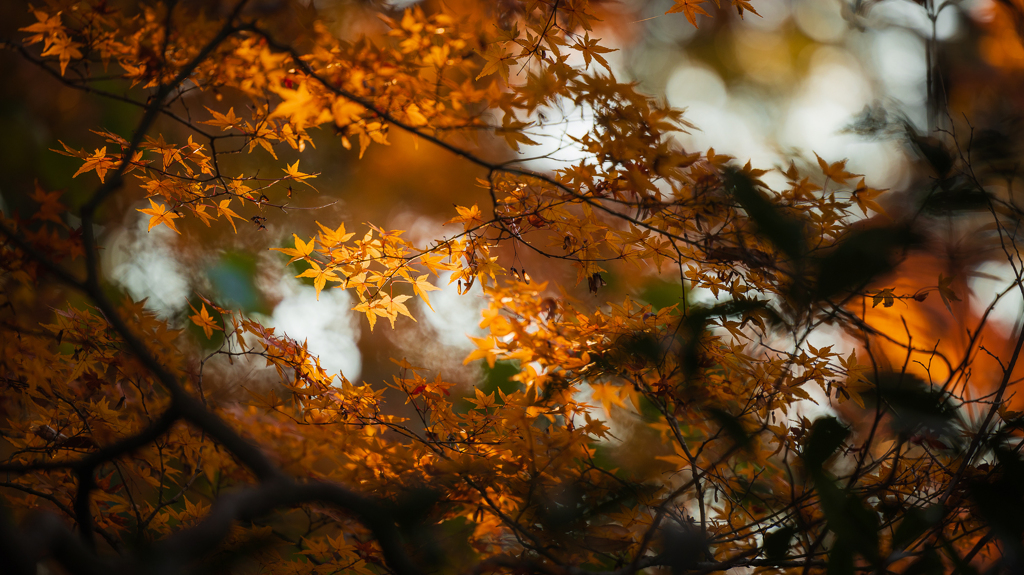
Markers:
<point>222,121</point>
<point>486,348</point>
<point>421,286</point>
<point>416,118</point>
<point>608,395</point>
<point>204,320</point>
<point>320,276</point>
<point>296,105</point>
<point>470,217</point>
<point>98,161</point>
<point>160,215</point>
<point>301,251</point>
<point>64,48</point>
<point>294,174</point>
<point>224,210</point>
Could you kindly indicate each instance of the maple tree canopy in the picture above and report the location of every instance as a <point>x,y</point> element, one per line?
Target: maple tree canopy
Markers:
<point>837,400</point>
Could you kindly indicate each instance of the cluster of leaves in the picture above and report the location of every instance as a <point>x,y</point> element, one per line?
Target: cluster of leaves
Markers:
<point>106,420</point>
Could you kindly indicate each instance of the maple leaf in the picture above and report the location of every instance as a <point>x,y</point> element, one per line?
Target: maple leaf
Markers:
<point>414,116</point>
<point>496,60</point>
<point>329,237</point>
<point>421,286</point>
<point>50,206</point>
<point>691,8</point>
<point>734,329</point>
<point>404,364</point>
<point>514,136</point>
<point>97,161</point>
<point>609,395</point>
<point>367,307</point>
<point>884,297</point>
<point>486,348</point>
<point>224,210</point>
<point>299,252</point>
<point>865,198</point>
<point>385,306</point>
<point>482,402</point>
<point>320,276</point>
<point>434,262</point>
<point>296,105</point>
<point>44,29</point>
<point>742,5</point>
<point>200,212</point>
<point>469,217</point>
<point>591,49</point>
<point>160,215</point>
<point>204,320</point>
<point>65,49</point>
<point>346,111</point>
<point>946,292</point>
<point>835,171</point>
<point>223,121</point>
<point>294,174</point>
<point>394,306</point>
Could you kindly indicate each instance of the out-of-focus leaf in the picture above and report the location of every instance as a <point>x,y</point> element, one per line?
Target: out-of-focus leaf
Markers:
<point>840,559</point>
<point>999,499</point>
<point>915,523</point>
<point>782,230</point>
<point>776,543</point>
<point>827,434</point>
<point>732,426</point>
<point>695,323</point>
<point>861,256</point>
<point>946,293</point>
<point>927,564</point>
<point>932,150</point>
<point>956,198</point>
<point>684,547</point>
<point>915,405</point>
<point>855,525</point>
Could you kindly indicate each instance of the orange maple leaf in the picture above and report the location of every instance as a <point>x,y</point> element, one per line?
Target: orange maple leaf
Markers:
<point>865,198</point>
<point>294,174</point>
<point>835,171</point>
<point>300,251</point>
<point>691,8</point>
<point>160,215</point>
<point>320,276</point>
<point>224,210</point>
<point>204,320</point>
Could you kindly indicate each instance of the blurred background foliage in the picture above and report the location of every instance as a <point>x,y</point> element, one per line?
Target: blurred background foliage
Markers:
<point>840,78</point>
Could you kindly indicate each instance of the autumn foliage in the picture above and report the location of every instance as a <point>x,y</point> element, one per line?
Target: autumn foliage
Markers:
<point>661,435</point>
